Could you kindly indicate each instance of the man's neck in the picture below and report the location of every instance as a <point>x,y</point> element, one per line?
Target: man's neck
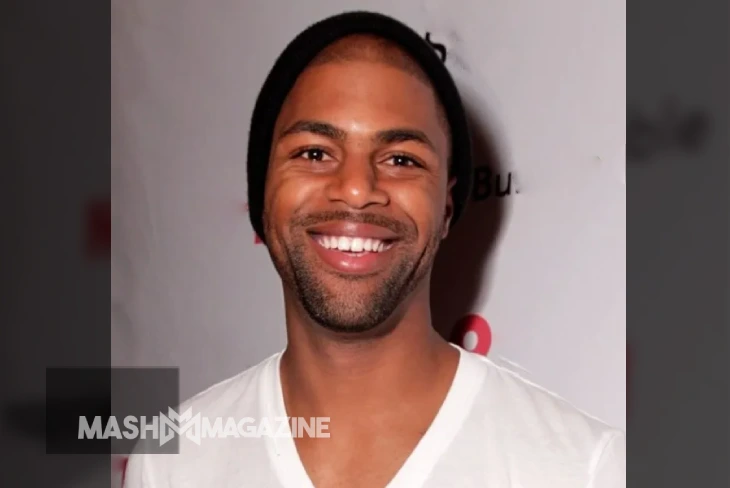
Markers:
<point>322,375</point>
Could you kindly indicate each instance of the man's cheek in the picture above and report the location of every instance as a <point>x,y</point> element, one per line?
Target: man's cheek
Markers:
<point>300,190</point>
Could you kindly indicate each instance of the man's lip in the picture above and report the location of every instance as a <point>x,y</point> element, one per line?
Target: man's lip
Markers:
<point>352,229</point>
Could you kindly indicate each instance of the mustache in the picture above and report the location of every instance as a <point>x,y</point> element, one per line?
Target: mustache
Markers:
<point>311,219</point>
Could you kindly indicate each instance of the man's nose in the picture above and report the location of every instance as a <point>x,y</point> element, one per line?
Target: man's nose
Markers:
<point>356,184</point>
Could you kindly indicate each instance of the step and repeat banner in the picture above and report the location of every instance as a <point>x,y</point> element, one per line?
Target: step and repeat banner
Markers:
<point>534,274</point>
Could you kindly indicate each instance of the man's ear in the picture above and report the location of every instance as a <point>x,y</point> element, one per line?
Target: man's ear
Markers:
<point>449,210</point>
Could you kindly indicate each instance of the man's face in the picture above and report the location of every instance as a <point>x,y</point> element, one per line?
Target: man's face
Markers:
<point>357,192</point>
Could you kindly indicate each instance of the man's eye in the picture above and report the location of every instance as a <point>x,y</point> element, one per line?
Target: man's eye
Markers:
<point>313,154</point>
<point>400,160</point>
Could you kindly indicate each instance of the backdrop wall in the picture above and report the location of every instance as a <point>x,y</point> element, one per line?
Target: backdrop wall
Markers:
<point>538,262</point>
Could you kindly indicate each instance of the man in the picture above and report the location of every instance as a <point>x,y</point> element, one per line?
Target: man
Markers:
<point>358,166</point>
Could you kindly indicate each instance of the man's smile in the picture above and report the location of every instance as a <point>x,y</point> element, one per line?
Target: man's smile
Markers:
<point>353,248</point>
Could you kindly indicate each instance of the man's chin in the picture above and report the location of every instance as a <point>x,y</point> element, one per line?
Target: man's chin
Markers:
<point>354,329</point>
<point>346,314</point>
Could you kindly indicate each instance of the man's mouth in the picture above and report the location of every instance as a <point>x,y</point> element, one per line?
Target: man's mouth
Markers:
<point>357,246</point>
<point>354,248</point>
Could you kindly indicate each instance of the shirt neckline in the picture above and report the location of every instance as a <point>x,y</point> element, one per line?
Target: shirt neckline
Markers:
<point>416,469</point>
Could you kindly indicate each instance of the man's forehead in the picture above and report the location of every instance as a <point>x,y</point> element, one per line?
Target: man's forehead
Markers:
<point>329,97</point>
<point>376,49</point>
<point>369,47</point>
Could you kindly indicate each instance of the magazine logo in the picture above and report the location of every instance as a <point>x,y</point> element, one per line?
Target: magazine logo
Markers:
<point>164,428</point>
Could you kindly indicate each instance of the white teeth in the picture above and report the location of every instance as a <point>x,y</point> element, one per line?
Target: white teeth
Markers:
<point>343,244</point>
<point>352,244</point>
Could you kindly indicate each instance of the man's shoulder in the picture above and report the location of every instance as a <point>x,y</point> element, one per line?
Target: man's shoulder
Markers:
<point>234,397</point>
<point>521,404</point>
<point>536,433</point>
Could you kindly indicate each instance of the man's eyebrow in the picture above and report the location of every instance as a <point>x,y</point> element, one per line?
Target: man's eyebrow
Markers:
<point>314,127</point>
<point>388,136</point>
<point>392,136</point>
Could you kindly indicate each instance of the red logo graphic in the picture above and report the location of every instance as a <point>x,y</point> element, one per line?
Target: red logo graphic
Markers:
<point>473,334</point>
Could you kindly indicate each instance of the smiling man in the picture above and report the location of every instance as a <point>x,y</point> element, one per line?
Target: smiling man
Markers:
<point>358,166</point>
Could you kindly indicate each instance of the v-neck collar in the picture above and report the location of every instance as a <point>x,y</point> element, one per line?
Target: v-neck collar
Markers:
<point>415,471</point>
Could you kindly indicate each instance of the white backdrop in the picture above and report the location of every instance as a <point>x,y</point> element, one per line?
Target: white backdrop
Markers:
<point>192,289</point>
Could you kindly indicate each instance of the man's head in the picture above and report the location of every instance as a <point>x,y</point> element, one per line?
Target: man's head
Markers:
<point>358,188</point>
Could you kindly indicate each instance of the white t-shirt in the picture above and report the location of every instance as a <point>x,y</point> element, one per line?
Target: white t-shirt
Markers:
<point>494,429</point>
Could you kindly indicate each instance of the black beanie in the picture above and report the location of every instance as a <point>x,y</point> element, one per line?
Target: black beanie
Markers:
<point>302,50</point>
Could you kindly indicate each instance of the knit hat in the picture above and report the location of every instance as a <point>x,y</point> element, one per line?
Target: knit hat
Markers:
<point>303,49</point>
